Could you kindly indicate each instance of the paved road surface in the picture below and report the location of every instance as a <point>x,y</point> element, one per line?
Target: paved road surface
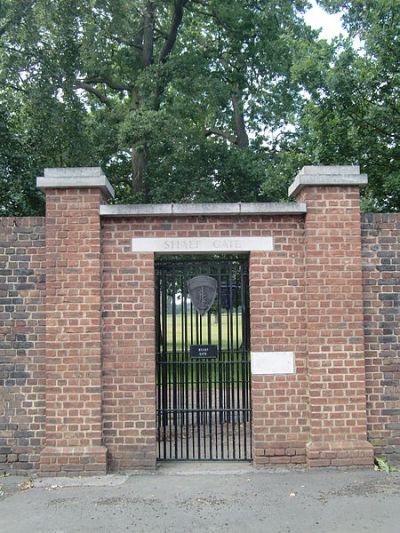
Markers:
<point>205,497</point>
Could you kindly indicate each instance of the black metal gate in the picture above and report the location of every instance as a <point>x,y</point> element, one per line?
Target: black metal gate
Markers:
<point>203,359</point>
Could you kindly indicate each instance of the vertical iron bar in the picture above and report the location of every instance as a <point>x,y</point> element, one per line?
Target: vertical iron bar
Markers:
<point>186,358</point>
<point>232,358</point>
<point>158,384</point>
<point>204,401</point>
<point>174,363</point>
<point>220,361</point>
<point>181,370</point>
<point>198,407</point>
<point>164,362</point>
<point>210,388</point>
<point>192,364</point>
<point>243,356</point>
<point>248,360</point>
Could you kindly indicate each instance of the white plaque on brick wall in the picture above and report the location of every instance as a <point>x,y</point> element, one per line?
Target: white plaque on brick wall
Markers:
<point>179,245</point>
<point>263,363</point>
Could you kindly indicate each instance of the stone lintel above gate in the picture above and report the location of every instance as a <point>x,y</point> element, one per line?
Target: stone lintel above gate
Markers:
<point>75,178</point>
<point>204,209</point>
<point>319,176</point>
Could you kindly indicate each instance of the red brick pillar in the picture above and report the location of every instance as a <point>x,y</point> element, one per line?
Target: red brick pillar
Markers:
<point>73,321</point>
<point>335,343</point>
<point>278,350</point>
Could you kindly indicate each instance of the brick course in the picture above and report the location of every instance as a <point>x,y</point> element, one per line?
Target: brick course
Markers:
<point>129,338</point>
<point>277,317</point>
<point>335,346</point>
<point>129,426</point>
<point>22,342</point>
<point>381,281</point>
<point>84,393</point>
<point>73,333</point>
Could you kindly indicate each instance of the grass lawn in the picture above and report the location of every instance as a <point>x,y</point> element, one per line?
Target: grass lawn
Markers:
<point>231,330</point>
<point>227,367</point>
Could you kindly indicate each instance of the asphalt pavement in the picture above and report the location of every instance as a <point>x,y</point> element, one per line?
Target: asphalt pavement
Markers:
<point>204,497</point>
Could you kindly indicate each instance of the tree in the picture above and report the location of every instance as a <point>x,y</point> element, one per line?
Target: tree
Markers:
<point>17,190</point>
<point>353,113</point>
<point>43,120</point>
<point>178,99</point>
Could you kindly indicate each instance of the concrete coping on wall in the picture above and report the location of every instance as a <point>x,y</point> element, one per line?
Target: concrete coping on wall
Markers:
<point>320,176</point>
<point>156,210</point>
<point>75,178</point>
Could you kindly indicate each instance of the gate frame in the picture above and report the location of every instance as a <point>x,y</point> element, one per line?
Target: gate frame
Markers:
<point>220,262</point>
<point>308,385</point>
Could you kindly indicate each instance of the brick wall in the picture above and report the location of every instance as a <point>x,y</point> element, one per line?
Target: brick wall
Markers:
<point>306,297</point>
<point>277,314</point>
<point>335,343</point>
<point>73,333</point>
<point>381,278</point>
<point>22,324</point>
<point>128,333</point>
<point>128,343</point>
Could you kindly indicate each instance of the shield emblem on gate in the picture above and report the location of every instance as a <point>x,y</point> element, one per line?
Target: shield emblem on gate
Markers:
<point>202,292</point>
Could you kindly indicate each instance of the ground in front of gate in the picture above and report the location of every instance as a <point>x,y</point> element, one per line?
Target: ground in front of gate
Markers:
<point>205,497</point>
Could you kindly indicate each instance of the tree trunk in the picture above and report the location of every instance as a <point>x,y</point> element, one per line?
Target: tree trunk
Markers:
<point>139,164</point>
<point>140,154</point>
<point>242,138</point>
<point>148,34</point>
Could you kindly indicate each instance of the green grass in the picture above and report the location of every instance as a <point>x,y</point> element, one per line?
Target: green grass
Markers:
<point>228,366</point>
<point>234,329</point>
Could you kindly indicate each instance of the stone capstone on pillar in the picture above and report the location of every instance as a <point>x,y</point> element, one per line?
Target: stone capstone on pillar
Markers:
<point>334,315</point>
<point>75,178</point>
<point>321,176</point>
<point>74,443</point>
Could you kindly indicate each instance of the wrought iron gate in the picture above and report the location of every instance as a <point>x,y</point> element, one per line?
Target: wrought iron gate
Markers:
<point>203,360</point>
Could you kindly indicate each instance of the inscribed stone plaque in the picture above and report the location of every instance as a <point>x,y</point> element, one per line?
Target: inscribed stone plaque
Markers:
<point>173,245</point>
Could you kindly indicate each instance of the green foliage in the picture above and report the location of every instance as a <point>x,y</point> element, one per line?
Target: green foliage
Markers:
<point>172,98</point>
<point>193,100</point>
<point>383,465</point>
<point>18,194</point>
<point>354,113</point>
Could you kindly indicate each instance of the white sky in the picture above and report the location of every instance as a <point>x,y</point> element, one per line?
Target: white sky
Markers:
<point>330,25</point>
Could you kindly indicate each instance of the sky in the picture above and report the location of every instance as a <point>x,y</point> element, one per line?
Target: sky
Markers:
<point>317,18</point>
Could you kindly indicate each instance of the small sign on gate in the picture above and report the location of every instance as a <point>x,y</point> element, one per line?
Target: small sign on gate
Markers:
<point>203,351</point>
